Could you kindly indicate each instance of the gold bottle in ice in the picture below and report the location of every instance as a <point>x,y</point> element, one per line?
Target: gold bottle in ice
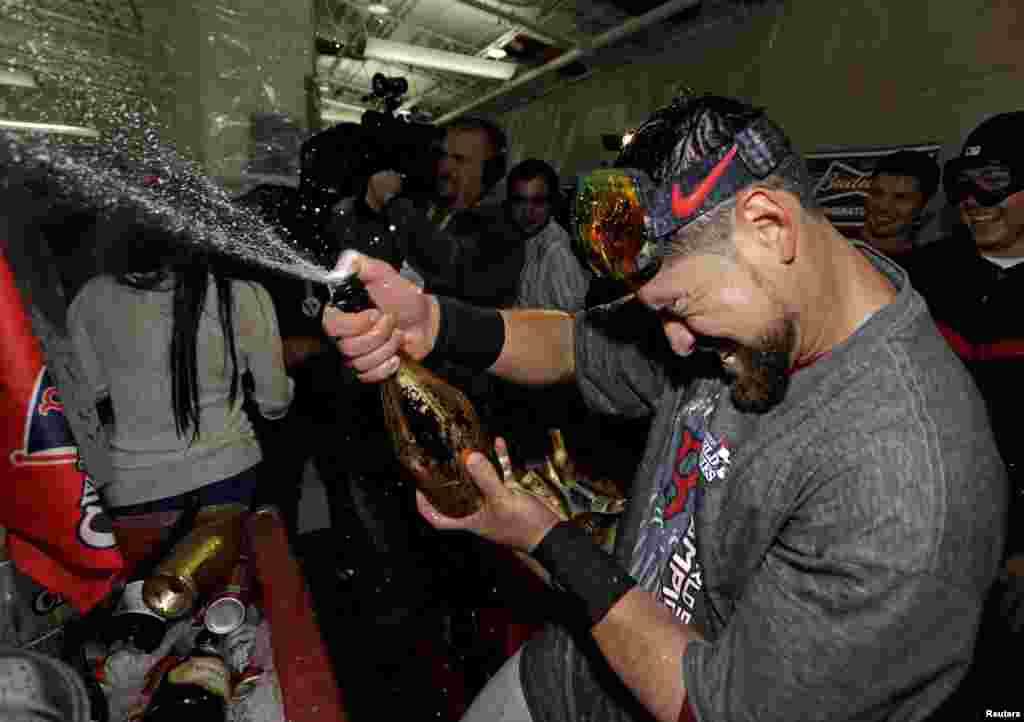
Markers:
<point>430,422</point>
<point>198,563</point>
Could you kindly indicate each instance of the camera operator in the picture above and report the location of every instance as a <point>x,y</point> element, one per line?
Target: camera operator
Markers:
<point>460,241</point>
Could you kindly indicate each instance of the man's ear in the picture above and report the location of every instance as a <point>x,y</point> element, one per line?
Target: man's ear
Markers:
<point>768,220</point>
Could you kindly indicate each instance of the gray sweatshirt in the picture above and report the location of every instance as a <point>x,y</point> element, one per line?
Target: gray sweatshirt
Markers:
<point>122,336</point>
<point>834,552</point>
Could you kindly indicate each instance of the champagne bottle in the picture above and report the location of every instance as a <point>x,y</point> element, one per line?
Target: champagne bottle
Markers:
<point>132,621</point>
<point>430,422</point>
<point>198,562</point>
<point>196,689</point>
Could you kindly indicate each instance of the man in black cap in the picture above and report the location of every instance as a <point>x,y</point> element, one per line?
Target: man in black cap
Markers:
<point>819,512</point>
<point>973,282</point>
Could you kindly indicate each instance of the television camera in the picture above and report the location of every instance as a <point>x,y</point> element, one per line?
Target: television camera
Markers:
<point>338,162</point>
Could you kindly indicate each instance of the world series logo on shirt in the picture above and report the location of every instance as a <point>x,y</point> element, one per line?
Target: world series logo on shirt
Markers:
<point>714,458</point>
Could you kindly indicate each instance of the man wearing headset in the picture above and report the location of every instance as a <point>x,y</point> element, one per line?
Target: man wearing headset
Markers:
<point>819,511</point>
<point>462,244</point>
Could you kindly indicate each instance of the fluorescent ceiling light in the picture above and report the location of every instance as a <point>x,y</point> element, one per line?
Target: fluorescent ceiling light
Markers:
<point>390,51</point>
<point>17,77</point>
<point>379,9</point>
<point>496,53</point>
<point>50,128</point>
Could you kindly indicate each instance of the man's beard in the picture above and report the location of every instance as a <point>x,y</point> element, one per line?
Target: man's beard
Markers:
<point>762,378</point>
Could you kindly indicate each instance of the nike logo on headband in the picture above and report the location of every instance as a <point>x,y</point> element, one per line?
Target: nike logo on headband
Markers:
<point>684,206</point>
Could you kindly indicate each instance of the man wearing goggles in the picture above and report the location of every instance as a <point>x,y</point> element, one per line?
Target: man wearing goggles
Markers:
<point>817,516</point>
<point>973,282</point>
<point>974,279</point>
<point>985,184</point>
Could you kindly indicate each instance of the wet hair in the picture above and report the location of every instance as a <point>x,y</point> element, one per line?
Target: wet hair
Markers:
<point>535,168</point>
<point>146,257</point>
<point>793,177</point>
<point>914,164</point>
<point>684,134</point>
<point>712,232</point>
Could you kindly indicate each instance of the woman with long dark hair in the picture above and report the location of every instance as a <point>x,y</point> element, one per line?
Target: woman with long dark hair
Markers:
<point>169,339</point>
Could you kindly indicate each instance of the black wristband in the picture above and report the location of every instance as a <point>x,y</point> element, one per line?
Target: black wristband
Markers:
<point>468,335</point>
<point>582,569</point>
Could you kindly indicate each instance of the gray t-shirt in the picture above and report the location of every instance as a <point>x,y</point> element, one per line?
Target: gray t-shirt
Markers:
<point>122,336</point>
<point>834,552</point>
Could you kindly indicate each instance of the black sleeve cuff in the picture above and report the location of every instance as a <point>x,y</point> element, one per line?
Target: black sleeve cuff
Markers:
<point>583,570</point>
<point>468,335</point>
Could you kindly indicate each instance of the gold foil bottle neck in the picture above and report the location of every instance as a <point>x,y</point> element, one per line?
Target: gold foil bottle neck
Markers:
<point>169,596</point>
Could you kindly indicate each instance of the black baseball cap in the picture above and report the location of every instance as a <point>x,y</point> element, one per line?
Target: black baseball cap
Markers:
<point>998,138</point>
<point>997,141</point>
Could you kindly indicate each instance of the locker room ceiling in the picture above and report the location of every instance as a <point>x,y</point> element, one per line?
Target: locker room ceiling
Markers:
<point>550,43</point>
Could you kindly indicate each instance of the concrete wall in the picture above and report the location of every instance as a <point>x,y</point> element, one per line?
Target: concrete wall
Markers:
<point>216,63</point>
<point>196,70</point>
<point>863,72</point>
<point>87,75</point>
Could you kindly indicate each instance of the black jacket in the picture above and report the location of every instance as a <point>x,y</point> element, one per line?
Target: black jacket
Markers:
<point>977,305</point>
<point>477,256</point>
